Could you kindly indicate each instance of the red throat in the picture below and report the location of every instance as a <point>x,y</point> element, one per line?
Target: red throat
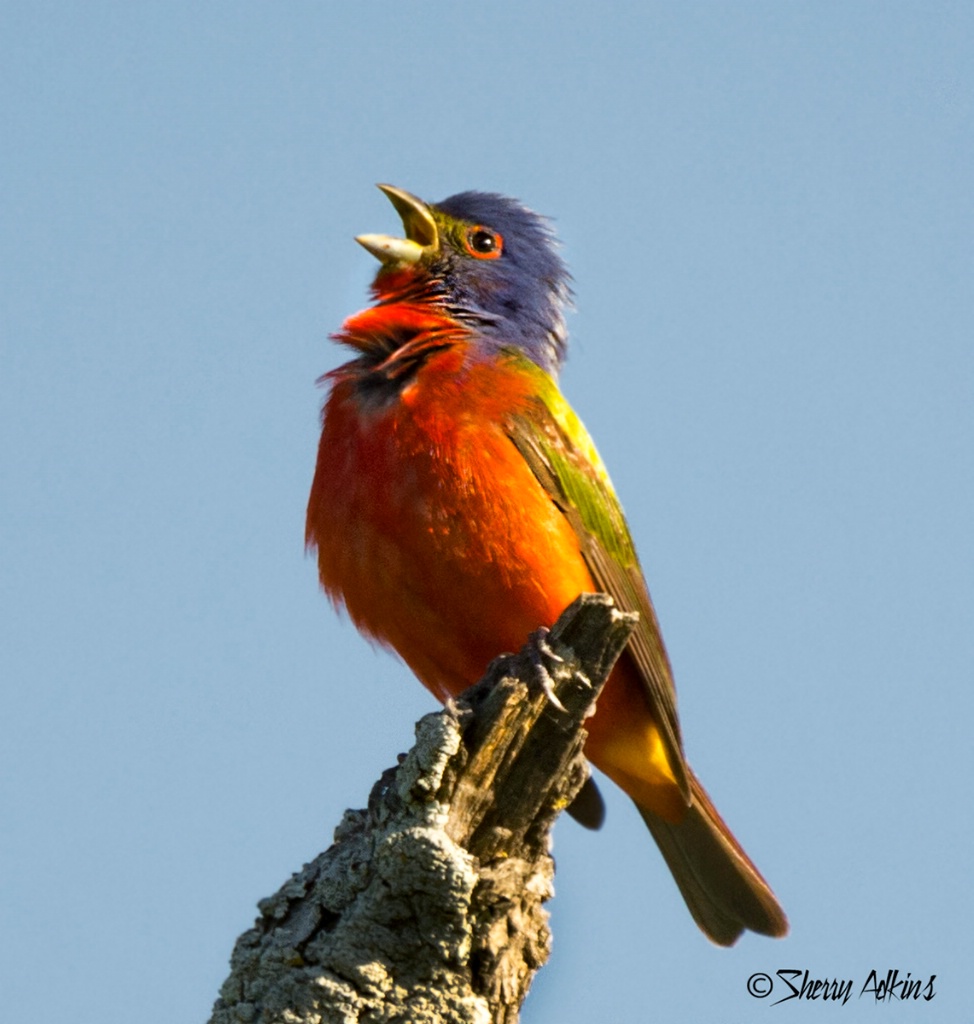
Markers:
<point>388,326</point>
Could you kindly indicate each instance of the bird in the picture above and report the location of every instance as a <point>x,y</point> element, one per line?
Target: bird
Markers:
<point>458,505</point>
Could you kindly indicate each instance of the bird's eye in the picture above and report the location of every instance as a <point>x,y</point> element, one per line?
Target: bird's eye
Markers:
<point>483,243</point>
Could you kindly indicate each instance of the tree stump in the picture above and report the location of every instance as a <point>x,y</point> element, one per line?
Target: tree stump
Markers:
<point>428,906</point>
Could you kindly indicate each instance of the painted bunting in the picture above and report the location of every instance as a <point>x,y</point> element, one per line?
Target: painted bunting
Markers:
<point>458,504</point>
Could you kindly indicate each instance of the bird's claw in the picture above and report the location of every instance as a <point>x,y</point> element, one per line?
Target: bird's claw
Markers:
<point>541,649</point>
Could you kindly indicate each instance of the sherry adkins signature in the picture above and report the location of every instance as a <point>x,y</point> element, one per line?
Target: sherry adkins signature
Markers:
<point>799,984</point>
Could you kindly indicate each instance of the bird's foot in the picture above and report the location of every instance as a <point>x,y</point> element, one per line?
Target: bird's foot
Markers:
<point>541,649</point>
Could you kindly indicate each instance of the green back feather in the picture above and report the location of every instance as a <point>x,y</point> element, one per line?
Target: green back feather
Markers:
<point>557,447</point>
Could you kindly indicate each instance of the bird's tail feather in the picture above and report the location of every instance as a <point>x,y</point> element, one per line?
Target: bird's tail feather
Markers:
<point>723,890</point>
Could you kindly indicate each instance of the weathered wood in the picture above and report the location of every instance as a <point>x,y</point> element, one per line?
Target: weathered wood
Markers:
<point>428,907</point>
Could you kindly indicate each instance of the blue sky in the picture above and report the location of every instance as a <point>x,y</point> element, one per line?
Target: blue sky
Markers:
<point>767,208</point>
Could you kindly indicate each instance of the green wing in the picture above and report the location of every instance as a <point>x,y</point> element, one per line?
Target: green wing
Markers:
<point>561,455</point>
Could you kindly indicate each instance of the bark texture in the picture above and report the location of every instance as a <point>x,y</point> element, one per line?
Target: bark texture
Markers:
<point>428,906</point>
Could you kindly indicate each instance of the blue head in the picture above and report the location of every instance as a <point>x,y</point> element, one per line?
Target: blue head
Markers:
<point>494,264</point>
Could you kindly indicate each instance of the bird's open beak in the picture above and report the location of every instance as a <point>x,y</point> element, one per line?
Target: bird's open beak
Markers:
<point>421,238</point>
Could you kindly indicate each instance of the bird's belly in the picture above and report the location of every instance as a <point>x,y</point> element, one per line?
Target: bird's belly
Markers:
<point>444,546</point>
